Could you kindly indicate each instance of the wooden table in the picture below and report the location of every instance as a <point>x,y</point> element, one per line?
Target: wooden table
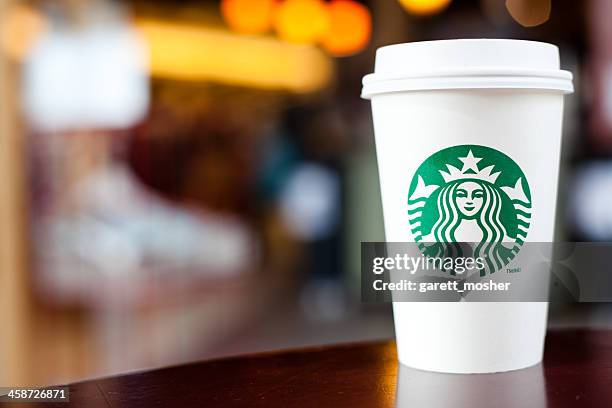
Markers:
<point>577,372</point>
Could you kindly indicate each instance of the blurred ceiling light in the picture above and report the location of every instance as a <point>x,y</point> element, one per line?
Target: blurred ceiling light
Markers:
<point>424,7</point>
<point>248,16</point>
<point>91,77</point>
<point>529,13</point>
<point>19,29</point>
<point>202,54</point>
<point>302,21</point>
<point>350,28</point>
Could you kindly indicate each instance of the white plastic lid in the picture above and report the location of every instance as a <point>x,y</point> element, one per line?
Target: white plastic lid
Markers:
<point>461,64</point>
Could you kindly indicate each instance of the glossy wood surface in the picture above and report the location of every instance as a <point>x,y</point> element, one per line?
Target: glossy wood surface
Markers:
<point>576,372</point>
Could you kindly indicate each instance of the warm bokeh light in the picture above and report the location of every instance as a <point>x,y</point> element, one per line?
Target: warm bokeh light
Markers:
<point>248,16</point>
<point>529,13</point>
<point>424,7</point>
<point>350,28</point>
<point>302,21</point>
<point>202,54</point>
<point>20,28</point>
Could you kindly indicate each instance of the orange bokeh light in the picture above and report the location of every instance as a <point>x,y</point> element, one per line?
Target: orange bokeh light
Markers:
<point>302,21</point>
<point>424,7</point>
<point>350,28</point>
<point>20,27</point>
<point>529,13</point>
<point>249,16</point>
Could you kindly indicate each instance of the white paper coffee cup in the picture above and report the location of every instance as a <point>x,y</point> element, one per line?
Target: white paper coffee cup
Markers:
<point>478,119</point>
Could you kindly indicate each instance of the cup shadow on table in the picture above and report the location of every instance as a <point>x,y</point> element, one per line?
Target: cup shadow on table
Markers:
<point>524,388</point>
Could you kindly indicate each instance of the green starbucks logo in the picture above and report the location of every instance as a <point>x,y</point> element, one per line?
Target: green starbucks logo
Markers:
<point>470,193</point>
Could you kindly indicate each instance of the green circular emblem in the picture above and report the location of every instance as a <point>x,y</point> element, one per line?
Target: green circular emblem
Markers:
<point>470,194</point>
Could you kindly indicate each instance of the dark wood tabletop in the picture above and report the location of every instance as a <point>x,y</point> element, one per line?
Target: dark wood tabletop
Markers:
<point>576,372</point>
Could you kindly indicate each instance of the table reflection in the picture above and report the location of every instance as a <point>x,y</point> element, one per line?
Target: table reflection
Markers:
<point>525,388</point>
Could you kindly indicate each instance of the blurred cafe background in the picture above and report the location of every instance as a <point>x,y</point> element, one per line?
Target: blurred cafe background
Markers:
<point>183,180</point>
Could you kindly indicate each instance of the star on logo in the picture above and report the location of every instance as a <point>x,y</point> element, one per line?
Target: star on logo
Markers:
<point>469,170</point>
<point>470,162</point>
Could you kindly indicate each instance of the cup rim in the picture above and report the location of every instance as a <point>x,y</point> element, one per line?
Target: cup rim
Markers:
<point>472,78</point>
<point>479,63</point>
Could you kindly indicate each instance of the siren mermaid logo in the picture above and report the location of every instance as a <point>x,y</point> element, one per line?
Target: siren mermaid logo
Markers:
<point>470,193</point>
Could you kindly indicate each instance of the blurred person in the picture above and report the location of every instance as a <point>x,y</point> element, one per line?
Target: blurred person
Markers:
<point>310,202</point>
